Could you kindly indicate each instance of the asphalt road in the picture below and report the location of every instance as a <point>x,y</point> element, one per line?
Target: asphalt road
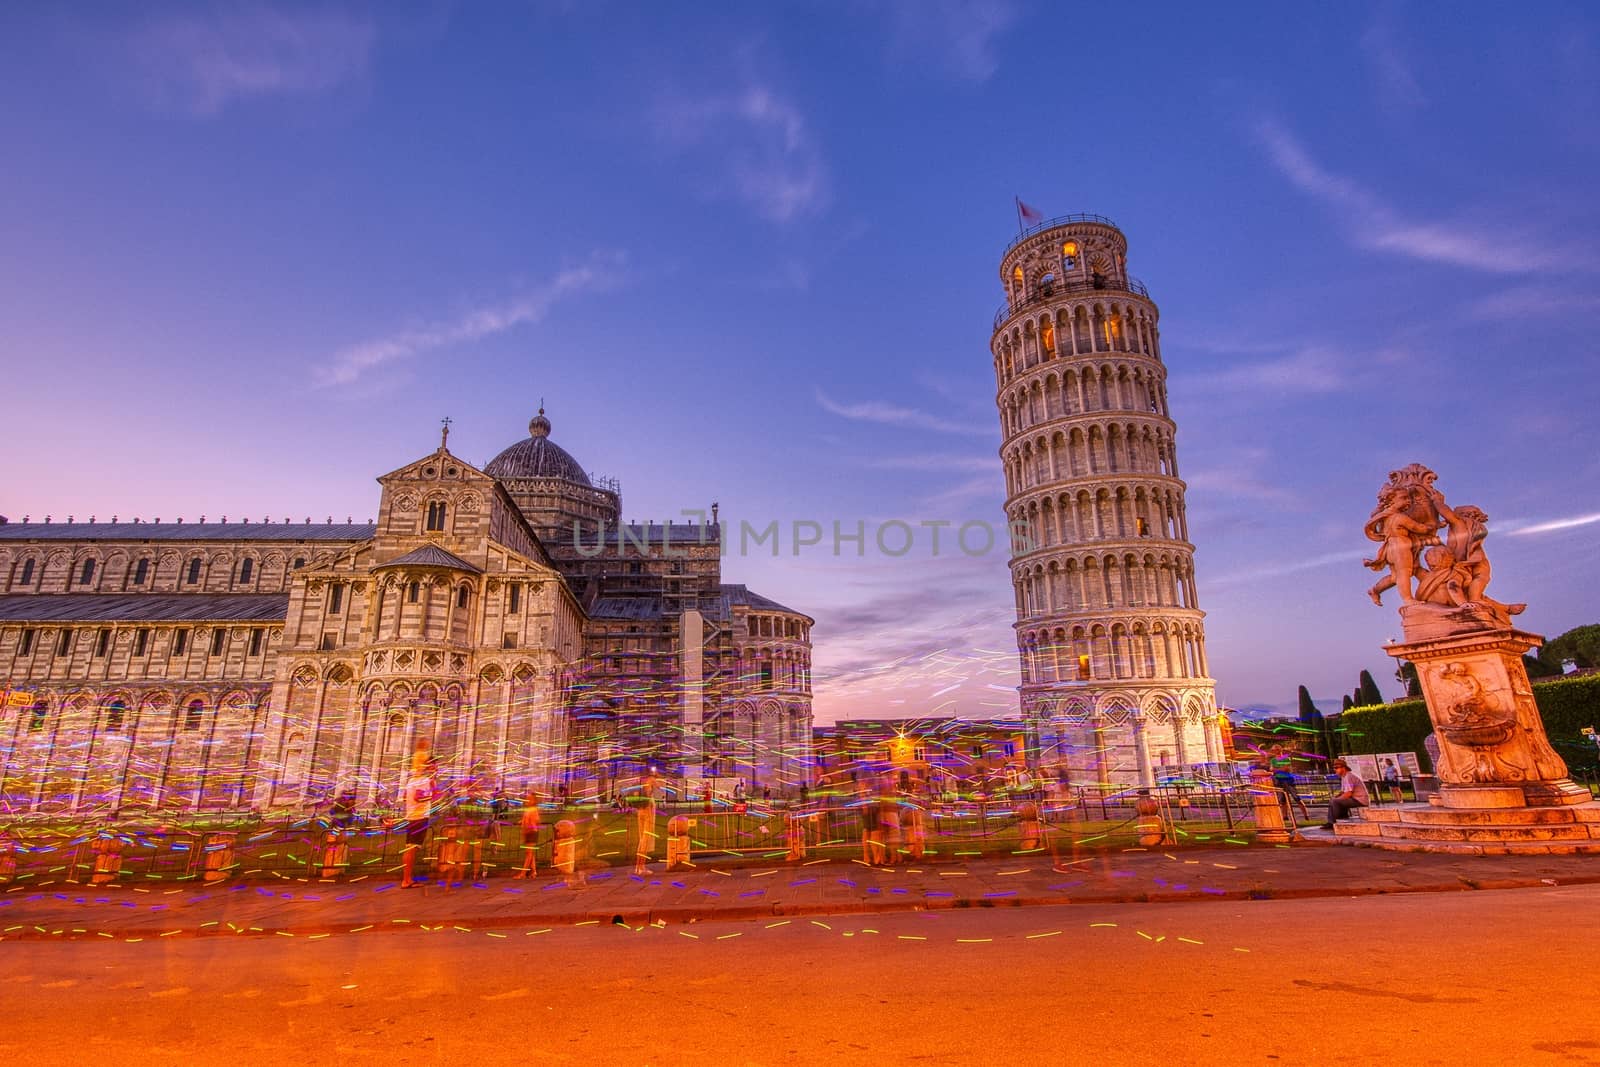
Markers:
<point>1501,977</point>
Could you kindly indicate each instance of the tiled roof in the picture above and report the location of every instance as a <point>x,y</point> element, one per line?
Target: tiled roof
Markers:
<point>655,533</point>
<point>186,531</point>
<point>627,607</point>
<point>145,607</point>
<point>741,595</point>
<point>432,556</point>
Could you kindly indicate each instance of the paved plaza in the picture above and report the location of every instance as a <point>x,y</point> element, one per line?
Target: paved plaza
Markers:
<point>284,907</point>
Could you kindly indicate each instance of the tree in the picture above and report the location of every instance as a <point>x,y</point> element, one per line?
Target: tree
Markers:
<point>1348,703</point>
<point>1308,709</point>
<point>1538,668</point>
<point>1369,692</point>
<point>1406,675</point>
<point>1581,645</point>
<point>1311,719</point>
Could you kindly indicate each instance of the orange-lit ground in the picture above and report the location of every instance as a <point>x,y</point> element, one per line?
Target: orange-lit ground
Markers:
<point>1501,977</point>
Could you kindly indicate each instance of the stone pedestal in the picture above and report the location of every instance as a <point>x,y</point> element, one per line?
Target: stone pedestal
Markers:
<point>1502,788</point>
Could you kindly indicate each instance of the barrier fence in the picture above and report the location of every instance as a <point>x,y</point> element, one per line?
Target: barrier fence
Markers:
<point>483,845</point>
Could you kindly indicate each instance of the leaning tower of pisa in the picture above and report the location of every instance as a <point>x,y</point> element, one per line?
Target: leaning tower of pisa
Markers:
<point>1115,689</point>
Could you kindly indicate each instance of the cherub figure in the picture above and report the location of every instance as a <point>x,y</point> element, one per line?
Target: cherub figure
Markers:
<point>1402,536</point>
<point>1468,526</point>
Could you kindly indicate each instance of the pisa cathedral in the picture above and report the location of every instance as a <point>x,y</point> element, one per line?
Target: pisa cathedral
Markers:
<point>1110,634</point>
<point>506,616</point>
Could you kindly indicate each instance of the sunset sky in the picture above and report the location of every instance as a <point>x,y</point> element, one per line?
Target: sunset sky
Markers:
<point>748,253</point>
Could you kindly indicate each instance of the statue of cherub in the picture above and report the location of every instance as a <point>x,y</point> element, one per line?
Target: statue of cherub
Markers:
<point>1402,534</point>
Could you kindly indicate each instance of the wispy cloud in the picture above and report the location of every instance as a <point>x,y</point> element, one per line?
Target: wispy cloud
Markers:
<point>1396,82</point>
<point>350,363</point>
<point>1533,301</point>
<point>1373,224</point>
<point>895,415</point>
<point>764,150</point>
<point>958,37</point>
<point>199,61</point>
<point>1310,369</point>
<point>1279,570</point>
<point>933,462</point>
<point>1552,525</point>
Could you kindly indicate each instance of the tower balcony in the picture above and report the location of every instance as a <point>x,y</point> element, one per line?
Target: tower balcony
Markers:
<point>1063,287</point>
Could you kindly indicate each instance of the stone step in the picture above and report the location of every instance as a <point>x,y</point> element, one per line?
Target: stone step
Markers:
<point>1571,832</point>
<point>1469,848</point>
<point>1432,816</point>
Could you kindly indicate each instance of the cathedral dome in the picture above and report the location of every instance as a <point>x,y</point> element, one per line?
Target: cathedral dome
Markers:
<point>537,457</point>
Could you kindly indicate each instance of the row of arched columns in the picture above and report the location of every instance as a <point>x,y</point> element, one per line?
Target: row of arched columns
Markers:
<point>1066,584</point>
<point>773,666</point>
<point>189,569</point>
<point>766,743</point>
<point>1078,517</point>
<point>1099,652</point>
<point>1074,329</point>
<point>111,749</point>
<point>1092,450</point>
<point>1083,390</point>
<point>1124,739</point>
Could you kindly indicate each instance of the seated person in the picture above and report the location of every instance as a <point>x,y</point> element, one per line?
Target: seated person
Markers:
<point>1352,794</point>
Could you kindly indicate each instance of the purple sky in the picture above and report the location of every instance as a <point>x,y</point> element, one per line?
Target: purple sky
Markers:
<point>748,253</point>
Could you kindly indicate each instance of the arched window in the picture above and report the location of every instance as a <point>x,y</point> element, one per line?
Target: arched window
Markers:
<point>412,591</point>
<point>141,571</point>
<point>245,569</point>
<point>114,716</point>
<point>1069,255</point>
<point>41,711</point>
<point>461,597</point>
<point>86,575</point>
<point>436,515</point>
<point>194,715</point>
<point>194,570</point>
<point>27,572</point>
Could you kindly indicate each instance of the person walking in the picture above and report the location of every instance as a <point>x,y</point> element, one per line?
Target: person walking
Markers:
<point>1282,766</point>
<point>1352,794</point>
<point>530,836</point>
<point>1391,778</point>
<point>418,798</point>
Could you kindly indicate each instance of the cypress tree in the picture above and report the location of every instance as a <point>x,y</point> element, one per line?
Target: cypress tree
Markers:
<point>1369,693</point>
<point>1308,710</point>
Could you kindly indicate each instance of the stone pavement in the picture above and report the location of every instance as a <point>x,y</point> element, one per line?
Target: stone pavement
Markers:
<point>298,908</point>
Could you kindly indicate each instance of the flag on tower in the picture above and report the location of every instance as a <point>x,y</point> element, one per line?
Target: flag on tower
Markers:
<point>1027,216</point>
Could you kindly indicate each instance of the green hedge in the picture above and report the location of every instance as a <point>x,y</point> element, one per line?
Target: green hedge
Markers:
<point>1566,705</point>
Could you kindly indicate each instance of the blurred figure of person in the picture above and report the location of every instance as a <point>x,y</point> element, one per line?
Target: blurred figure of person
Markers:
<point>417,799</point>
<point>1282,766</point>
<point>1391,778</point>
<point>871,833</point>
<point>889,829</point>
<point>530,836</point>
<point>343,812</point>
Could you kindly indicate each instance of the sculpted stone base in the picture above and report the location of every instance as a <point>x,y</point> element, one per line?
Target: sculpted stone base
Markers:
<point>1494,753</point>
<point>1502,788</point>
<point>1569,828</point>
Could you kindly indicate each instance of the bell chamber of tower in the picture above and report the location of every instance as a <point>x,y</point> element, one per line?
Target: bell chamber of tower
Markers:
<point>1110,635</point>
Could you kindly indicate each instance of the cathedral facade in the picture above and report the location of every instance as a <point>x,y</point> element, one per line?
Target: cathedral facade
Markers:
<point>1110,635</point>
<point>505,618</point>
